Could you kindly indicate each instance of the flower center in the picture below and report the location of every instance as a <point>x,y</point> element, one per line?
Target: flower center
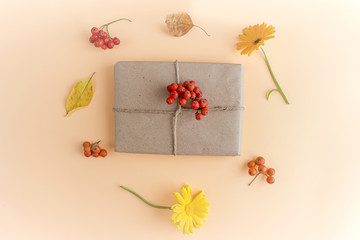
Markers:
<point>257,41</point>
<point>187,209</point>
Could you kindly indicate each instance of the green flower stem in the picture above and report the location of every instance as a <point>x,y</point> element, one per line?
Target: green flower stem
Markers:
<point>107,24</point>
<point>150,204</point>
<point>274,78</point>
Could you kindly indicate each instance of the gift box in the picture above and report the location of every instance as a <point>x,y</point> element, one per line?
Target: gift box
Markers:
<point>145,123</point>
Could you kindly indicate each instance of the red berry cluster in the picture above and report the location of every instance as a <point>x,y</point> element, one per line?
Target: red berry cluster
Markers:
<point>93,150</point>
<point>101,38</point>
<point>186,92</point>
<point>259,163</point>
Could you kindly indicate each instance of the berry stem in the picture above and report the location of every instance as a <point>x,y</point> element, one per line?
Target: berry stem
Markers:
<point>274,78</point>
<point>254,179</point>
<point>107,31</point>
<point>107,24</point>
<point>150,204</point>
<point>95,143</point>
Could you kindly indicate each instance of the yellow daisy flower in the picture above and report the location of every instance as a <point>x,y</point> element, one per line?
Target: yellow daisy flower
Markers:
<point>253,37</point>
<point>189,212</point>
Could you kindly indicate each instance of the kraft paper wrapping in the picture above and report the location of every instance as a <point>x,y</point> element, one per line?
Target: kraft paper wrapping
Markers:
<point>144,122</point>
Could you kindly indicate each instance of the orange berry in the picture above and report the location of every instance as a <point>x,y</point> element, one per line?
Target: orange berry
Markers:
<point>95,154</point>
<point>270,179</point>
<point>85,144</point>
<point>87,149</point>
<point>103,153</point>
<point>260,161</point>
<point>251,164</point>
<point>271,172</point>
<point>87,154</point>
<point>95,149</point>
<point>252,171</point>
<point>262,168</point>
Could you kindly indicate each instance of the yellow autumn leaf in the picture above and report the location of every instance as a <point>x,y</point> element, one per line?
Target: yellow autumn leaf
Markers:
<point>179,24</point>
<point>80,95</point>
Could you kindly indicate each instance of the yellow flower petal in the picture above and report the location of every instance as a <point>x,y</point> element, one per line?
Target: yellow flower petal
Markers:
<point>176,217</point>
<point>246,51</point>
<point>269,37</point>
<point>197,221</point>
<point>244,37</point>
<point>179,198</point>
<point>181,224</point>
<point>191,226</point>
<point>177,207</point>
<point>201,214</point>
<point>186,227</point>
<point>198,197</point>
<point>186,193</point>
<point>188,190</point>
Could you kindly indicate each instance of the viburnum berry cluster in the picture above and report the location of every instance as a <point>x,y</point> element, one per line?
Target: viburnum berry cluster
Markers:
<point>188,91</point>
<point>257,167</point>
<point>101,37</point>
<point>93,149</point>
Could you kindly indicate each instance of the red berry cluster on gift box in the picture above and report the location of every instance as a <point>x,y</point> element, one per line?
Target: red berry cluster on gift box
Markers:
<point>101,37</point>
<point>93,149</point>
<point>188,91</point>
<point>257,167</point>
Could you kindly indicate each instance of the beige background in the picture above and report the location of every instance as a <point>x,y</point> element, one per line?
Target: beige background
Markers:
<point>48,190</point>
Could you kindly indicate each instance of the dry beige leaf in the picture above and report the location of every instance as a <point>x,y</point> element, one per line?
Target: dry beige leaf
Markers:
<point>179,24</point>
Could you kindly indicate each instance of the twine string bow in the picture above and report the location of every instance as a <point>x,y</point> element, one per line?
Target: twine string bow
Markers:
<point>178,110</point>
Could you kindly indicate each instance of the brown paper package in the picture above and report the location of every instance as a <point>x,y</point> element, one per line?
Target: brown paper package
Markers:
<point>145,123</point>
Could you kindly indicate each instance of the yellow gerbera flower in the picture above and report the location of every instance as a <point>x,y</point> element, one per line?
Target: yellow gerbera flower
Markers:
<point>253,37</point>
<point>189,212</point>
